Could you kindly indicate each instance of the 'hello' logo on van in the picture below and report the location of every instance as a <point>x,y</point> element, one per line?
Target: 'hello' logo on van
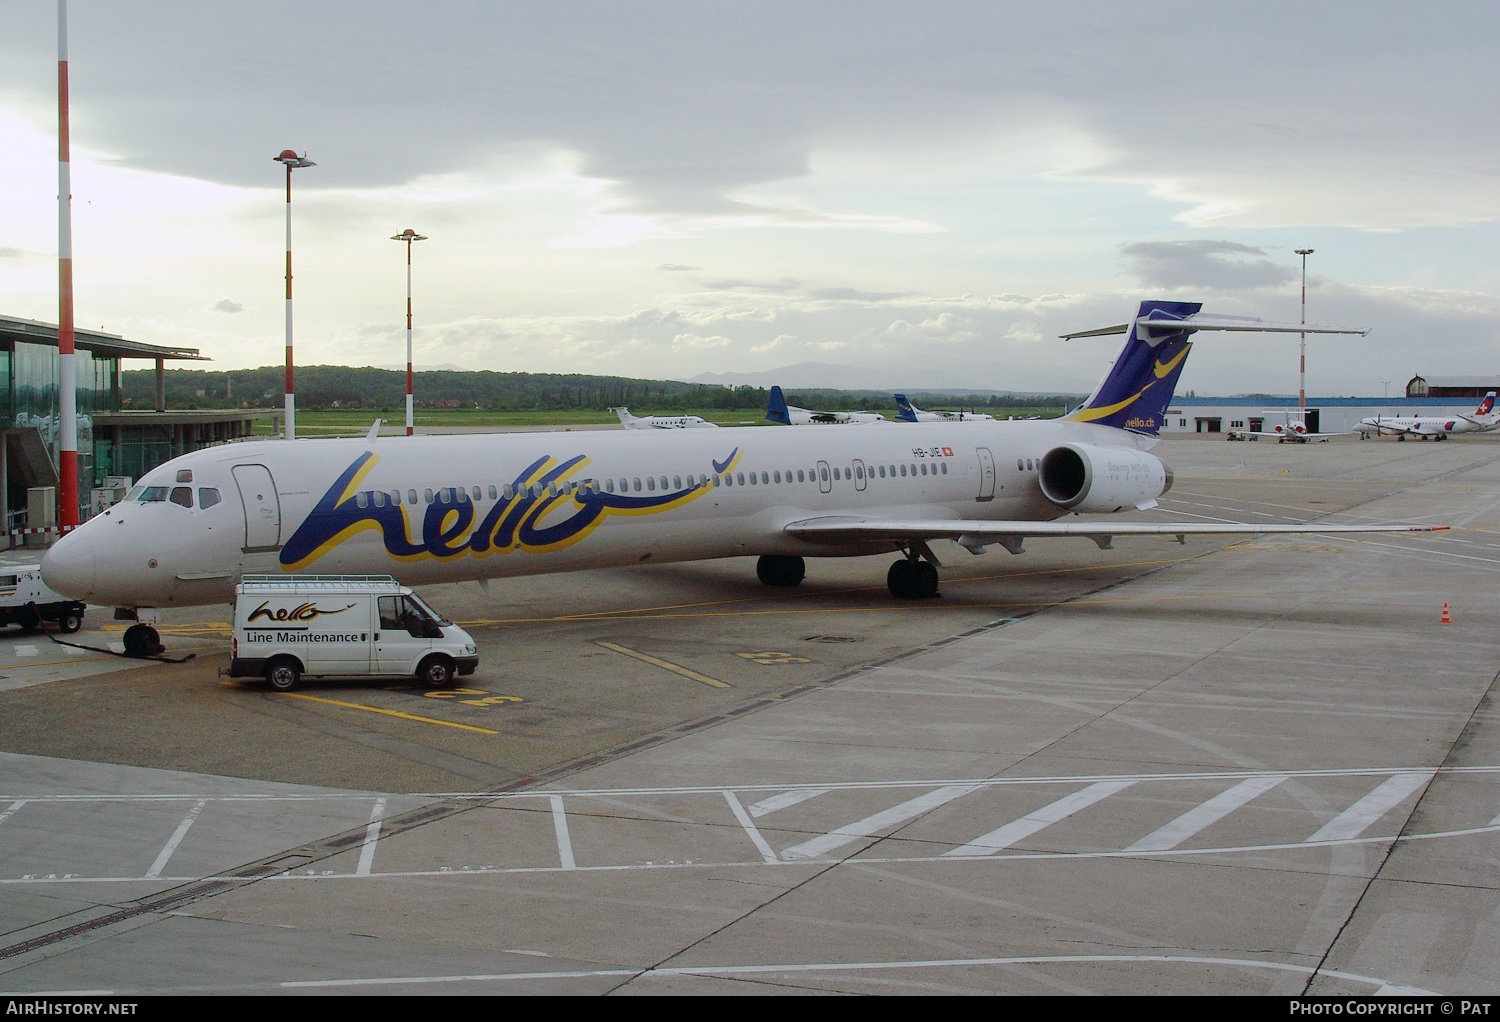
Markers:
<point>303,612</point>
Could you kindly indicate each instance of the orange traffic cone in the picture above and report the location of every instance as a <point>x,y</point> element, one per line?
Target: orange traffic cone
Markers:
<point>1446,619</point>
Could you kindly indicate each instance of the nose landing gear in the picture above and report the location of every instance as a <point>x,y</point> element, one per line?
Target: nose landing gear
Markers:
<point>143,641</point>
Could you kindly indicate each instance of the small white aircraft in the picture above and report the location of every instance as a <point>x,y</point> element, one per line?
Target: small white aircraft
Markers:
<point>1432,427</point>
<point>451,508</point>
<point>661,421</point>
<point>1293,431</point>
<point>777,410</point>
<point>908,412</point>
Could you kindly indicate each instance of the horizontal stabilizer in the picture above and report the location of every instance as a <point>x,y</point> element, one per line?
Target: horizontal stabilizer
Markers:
<point>1158,322</point>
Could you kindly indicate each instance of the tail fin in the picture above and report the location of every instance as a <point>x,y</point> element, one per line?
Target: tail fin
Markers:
<point>1487,405</point>
<point>624,413</point>
<point>904,411</point>
<point>776,408</point>
<point>1136,392</point>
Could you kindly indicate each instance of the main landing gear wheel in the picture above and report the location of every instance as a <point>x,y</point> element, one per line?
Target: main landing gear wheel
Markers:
<point>912,580</point>
<point>142,641</point>
<point>781,570</point>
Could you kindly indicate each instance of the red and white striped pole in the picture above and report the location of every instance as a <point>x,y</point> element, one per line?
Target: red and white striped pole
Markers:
<point>291,160</point>
<point>1302,373</point>
<point>67,407</point>
<point>408,236</point>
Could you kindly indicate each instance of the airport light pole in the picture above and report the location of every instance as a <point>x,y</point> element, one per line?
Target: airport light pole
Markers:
<point>408,236</point>
<point>67,396</point>
<point>292,161</point>
<point>1302,377</point>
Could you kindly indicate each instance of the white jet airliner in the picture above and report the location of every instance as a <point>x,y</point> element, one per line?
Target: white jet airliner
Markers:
<point>432,509</point>
<point>777,410</point>
<point>661,421</point>
<point>908,412</point>
<point>1436,427</point>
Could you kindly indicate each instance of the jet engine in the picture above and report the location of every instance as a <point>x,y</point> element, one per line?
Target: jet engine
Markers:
<point>1088,477</point>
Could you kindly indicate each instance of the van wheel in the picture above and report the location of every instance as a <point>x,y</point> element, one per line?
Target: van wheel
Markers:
<point>283,674</point>
<point>70,622</point>
<point>436,672</point>
<point>31,618</point>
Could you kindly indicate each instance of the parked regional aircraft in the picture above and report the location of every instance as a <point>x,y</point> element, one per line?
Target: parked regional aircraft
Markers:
<point>450,508</point>
<point>777,410</point>
<point>908,412</point>
<point>1293,431</point>
<point>661,421</point>
<point>1435,427</point>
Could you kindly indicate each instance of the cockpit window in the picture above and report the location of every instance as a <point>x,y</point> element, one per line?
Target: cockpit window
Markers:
<point>208,496</point>
<point>152,494</point>
<point>182,495</point>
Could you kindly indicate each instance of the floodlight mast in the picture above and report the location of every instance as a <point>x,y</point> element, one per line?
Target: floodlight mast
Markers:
<point>67,397</point>
<point>1302,378</point>
<point>408,236</point>
<point>291,160</point>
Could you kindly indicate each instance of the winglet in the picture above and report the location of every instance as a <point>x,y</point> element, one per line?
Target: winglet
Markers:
<point>776,408</point>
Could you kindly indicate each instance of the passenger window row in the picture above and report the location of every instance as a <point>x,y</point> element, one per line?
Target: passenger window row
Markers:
<point>647,484</point>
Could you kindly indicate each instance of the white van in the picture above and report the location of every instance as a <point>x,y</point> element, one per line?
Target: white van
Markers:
<point>286,626</point>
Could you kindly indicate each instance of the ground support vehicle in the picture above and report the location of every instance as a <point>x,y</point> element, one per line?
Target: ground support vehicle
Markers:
<point>290,626</point>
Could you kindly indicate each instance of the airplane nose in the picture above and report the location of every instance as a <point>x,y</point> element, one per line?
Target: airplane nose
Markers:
<point>68,567</point>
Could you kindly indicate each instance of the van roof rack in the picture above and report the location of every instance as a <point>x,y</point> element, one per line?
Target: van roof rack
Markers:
<point>322,580</point>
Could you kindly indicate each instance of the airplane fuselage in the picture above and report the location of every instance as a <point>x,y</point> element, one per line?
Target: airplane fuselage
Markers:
<point>1419,426</point>
<point>432,509</point>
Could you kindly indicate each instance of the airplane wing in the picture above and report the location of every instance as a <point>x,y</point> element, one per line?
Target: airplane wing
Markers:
<point>1391,427</point>
<point>843,529</point>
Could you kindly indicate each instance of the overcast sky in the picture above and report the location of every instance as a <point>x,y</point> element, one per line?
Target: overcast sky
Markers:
<point>668,189</point>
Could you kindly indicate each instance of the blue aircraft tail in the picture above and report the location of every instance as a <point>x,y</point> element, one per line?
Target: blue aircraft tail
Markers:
<point>904,411</point>
<point>776,408</point>
<point>1136,392</point>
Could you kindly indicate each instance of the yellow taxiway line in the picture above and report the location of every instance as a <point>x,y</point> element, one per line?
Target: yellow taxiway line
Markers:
<point>664,665</point>
<point>390,713</point>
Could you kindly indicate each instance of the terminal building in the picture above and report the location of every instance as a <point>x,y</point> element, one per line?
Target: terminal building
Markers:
<point>114,446</point>
<point>1324,414</point>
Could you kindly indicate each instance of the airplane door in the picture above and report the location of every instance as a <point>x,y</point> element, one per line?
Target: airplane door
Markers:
<point>825,483</point>
<point>986,474</point>
<point>859,474</point>
<point>262,507</point>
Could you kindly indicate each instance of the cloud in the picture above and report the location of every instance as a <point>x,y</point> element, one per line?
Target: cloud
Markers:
<point>849,294</point>
<point>784,286</point>
<point>226,305</point>
<point>12,253</point>
<point>674,268</point>
<point>1211,264</point>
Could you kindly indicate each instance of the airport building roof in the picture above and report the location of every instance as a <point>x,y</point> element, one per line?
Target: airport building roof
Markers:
<point>103,345</point>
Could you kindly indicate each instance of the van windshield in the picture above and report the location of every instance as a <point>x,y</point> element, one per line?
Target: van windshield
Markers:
<point>428,612</point>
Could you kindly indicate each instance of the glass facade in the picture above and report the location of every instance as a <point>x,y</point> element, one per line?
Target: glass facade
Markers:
<point>30,375</point>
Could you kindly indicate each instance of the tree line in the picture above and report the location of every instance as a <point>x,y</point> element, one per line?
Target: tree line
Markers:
<point>327,387</point>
